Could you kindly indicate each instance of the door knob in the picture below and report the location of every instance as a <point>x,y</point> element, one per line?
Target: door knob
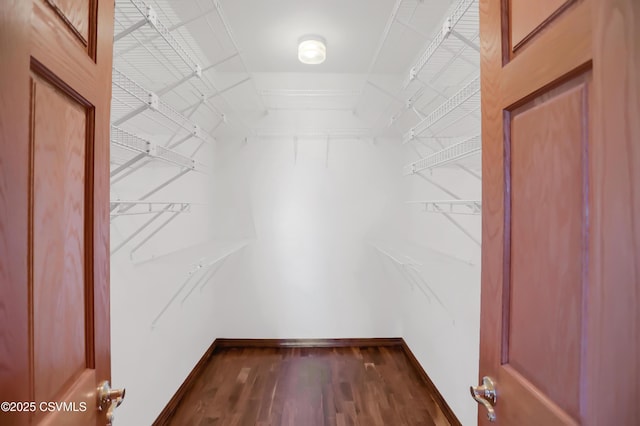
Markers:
<point>109,399</point>
<point>486,395</point>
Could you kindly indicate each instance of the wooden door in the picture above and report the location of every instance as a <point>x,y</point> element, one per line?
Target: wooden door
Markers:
<point>560,317</point>
<point>55,89</point>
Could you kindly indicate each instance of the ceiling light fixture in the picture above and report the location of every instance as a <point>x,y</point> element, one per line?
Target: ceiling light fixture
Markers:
<point>312,50</point>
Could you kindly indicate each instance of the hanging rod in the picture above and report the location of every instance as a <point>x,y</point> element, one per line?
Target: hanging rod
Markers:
<point>330,133</point>
<point>463,207</point>
<point>309,93</point>
<point>446,155</point>
<point>469,93</point>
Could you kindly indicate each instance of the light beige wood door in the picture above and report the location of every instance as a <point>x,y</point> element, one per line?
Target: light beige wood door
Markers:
<point>54,222</point>
<point>560,323</point>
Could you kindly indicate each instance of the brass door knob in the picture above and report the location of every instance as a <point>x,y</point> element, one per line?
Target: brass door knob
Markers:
<point>109,399</point>
<point>486,395</point>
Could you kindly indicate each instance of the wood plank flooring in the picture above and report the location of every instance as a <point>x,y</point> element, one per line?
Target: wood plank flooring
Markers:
<point>367,386</point>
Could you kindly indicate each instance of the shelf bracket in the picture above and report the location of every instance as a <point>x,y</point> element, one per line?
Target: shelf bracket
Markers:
<point>465,40</point>
<point>130,115</point>
<point>183,208</point>
<point>158,188</point>
<point>204,268</point>
<point>206,276</point>
<point>141,228</point>
<point>129,30</point>
<point>460,227</point>
<point>128,164</point>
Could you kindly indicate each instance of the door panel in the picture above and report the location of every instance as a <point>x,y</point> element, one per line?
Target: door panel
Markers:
<point>543,331</point>
<point>59,141</point>
<point>560,328</point>
<point>528,18</point>
<point>54,196</point>
<point>76,15</point>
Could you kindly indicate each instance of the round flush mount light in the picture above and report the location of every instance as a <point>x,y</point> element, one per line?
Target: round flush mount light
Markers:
<point>312,50</point>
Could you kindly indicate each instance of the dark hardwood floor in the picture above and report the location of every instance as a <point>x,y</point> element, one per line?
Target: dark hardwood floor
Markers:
<point>366,386</point>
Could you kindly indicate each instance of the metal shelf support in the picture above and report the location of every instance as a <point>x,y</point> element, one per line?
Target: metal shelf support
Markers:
<point>201,269</point>
<point>175,214</point>
<point>409,269</point>
<point>140,229</point>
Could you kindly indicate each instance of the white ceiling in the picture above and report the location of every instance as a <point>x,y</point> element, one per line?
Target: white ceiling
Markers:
<point>267,32</point>
<point>370,50</point>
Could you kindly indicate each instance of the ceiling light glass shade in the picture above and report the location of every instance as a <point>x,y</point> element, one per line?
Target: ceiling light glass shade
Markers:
<point>312,50</point>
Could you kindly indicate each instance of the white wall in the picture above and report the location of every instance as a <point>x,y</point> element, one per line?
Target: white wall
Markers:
<point>442,328</point>
<point>152,363</point>
<point>306,273</point>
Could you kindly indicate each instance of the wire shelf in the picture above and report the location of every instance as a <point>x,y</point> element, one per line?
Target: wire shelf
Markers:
<point>131,99</point>
<point>446,155</point>
<point>469,96</point>
<point>138,27</point>
<point>130,141</point>
<point>457,37</point>
<point>117,207</point>
<point>462,207</point>
<point>133,142</point>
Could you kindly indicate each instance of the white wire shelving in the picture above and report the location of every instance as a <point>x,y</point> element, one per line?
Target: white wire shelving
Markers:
<point>451,56</point>
<point>131,99</point>
<point>450,154</point>
<point>139,26</point>
<point>434,122</point>
<point>132,142</point>
<point>458,33</point>
<point>463,207</point>
<point>451,59</point>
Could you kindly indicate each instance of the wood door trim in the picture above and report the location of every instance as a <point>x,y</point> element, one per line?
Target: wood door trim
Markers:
<point>67,22</point>
<point>542,25</point>
<point>168,411</point>
<point>567,30</point>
